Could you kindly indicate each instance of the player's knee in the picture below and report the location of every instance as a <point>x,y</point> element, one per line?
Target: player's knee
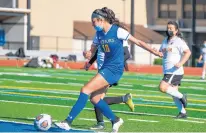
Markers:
<point>162,88</point>
<point>94,100</point>
<point>86,90</point>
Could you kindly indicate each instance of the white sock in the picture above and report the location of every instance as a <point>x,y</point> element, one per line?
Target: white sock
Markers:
<point>203,74</point>
<point>179,105</point>
<point>174,92</point>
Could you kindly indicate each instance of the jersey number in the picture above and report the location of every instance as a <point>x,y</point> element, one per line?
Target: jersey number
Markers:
<point>106,48</point>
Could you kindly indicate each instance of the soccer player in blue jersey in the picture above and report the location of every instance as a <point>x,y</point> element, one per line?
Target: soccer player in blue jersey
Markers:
<point>127,98</point>
<point>109,37</point>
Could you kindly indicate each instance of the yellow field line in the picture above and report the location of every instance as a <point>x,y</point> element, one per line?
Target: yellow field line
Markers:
<point>162,97</point>
<point>119,94</point>
<point>144,105</point>
<point>26,94</point>
<point>169,107</point>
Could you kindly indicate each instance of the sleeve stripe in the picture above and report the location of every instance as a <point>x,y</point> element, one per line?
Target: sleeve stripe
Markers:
<point>127,37</point>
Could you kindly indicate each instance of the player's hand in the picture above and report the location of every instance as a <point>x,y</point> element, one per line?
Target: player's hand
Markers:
<point>87,66</point>
<point>156,52</point>
<point>87,54</point>
<point>178,65</point>
<point>160,54</point>
<point>199,61</point>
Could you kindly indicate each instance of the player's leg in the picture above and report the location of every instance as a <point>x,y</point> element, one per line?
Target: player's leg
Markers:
<point>166,87</point>
<point>126,57</point>
<point>180,107</point>
<point>127,99</point>
<point>98,113</point>
<point>203,70</point>
<point>101,106</point>
<point>95,84</point>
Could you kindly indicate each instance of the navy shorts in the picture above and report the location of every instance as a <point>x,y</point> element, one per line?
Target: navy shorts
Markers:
<point>173,79</point>
<point>111,77</point>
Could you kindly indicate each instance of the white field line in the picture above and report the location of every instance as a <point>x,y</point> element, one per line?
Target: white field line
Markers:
<point>73,92</point>
<point>142,120</point>
<point>87,119</point>
<point>126,112</point>
<point>189,121</point>
<point>30,81</point>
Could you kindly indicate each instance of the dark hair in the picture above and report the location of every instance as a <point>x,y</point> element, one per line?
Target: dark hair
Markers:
<point>179,34</point>
<point>99,13</point>
<point>109,16</point>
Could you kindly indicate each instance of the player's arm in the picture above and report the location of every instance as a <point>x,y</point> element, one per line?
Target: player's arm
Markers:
<point>94,57</point>
<point>185,57</point>
<point>200,58</point>
<point>144,46</point>
<point>91,55</point>
<point>186,51</point>
<point>124,35</point>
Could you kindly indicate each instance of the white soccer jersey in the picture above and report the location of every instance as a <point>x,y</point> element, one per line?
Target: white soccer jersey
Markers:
<point>203,52</point>
<point>172,54</point>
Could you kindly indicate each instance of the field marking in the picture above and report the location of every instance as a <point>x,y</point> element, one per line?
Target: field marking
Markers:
<point>199,95</point>
<point>167,102</point>
<point>87,119</point>
<point>39,95</point>
<point>15,122</point>
<point>194,80</point>
<point>79,84</point>
<point>70,98</point>
<point>25,74</point>
<point>72,92</point>
<point>142,120</point>
<point>30,81</point>
<point>169,107</point>
<point>189,121</point>
<point>119,94</point>
<point>33,124</point>
<point>91,109</point>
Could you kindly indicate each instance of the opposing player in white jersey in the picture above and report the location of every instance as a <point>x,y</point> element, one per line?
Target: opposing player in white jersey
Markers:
<point>203,57</point>
<point>175,54</point>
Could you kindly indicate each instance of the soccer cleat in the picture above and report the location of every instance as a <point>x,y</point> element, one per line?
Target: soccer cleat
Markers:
<point>116,125</point>
<point>184,100</point>
<point>129,102</point>
<point>63,125</point>
<point>181,116</point>
<point>98,126</point>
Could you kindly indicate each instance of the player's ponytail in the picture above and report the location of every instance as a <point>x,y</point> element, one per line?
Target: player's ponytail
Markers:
<point>111,17</point>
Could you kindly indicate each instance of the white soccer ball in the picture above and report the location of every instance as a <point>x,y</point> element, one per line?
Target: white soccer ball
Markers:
<point>48,65</point>
<point>44,65</point>
<point>43,122</point>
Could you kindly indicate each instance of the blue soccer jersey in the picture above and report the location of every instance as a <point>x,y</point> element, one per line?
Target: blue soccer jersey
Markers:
<point>111,43</point>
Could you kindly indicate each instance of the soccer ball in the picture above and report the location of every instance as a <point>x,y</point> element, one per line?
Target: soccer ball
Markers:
<point>43,122</point>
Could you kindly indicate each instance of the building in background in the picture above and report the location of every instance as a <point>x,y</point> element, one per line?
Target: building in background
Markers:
<point>13,23</point>
<point>160,11</point>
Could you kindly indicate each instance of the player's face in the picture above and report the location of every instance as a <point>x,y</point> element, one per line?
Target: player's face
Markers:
<point>171,29</point>
<point>97,23</point>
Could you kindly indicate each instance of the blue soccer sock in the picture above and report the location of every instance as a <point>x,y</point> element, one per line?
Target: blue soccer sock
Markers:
<point>106,111</point>
<point>78,107</point>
